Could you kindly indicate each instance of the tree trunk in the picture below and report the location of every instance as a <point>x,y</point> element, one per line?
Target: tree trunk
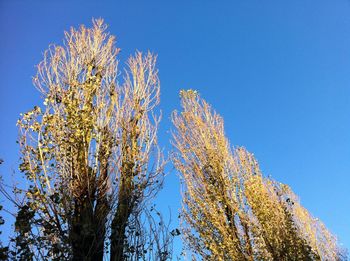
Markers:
<point>82,232</point>
<point>120,220</point>
<point>101,211</point>
<point>88,224</point>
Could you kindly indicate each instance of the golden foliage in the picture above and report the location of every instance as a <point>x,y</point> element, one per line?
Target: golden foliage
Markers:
<point>94,143</point>
<point>230,211</point>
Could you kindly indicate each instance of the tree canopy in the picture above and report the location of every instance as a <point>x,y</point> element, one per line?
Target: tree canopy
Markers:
<point>230,210</point>
<point>90,154</point>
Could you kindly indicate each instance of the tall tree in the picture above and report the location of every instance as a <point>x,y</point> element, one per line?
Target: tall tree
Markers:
<point>90,155</point>
<point>230,211</point>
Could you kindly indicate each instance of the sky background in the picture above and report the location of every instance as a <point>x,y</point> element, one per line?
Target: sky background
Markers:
<point>277,71</point>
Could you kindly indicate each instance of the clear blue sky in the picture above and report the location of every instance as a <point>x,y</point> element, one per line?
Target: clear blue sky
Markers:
<point>277,71</point>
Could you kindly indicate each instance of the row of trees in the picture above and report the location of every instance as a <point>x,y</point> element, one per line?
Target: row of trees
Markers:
<point>92,165</point>
<point>230,210</point>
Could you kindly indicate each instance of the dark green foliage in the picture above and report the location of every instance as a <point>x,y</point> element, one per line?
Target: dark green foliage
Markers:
<point>23,239</point>
<point>3,250</point>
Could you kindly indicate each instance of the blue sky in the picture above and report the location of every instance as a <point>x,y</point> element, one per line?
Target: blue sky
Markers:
<point>277,71</point>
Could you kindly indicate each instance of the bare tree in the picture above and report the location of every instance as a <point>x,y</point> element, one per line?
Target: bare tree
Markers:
<point>230,211</point>
<point>90,155</point>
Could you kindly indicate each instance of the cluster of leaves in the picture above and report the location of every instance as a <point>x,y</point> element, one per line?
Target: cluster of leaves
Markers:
<point>230,211</point>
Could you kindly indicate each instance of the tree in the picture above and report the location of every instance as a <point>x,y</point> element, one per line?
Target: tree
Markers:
<point>230,211</point>
<point>90,155</point>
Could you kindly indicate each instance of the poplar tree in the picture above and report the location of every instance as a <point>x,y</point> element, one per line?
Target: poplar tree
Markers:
<point>230,210</point>
<point>90,155</point>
